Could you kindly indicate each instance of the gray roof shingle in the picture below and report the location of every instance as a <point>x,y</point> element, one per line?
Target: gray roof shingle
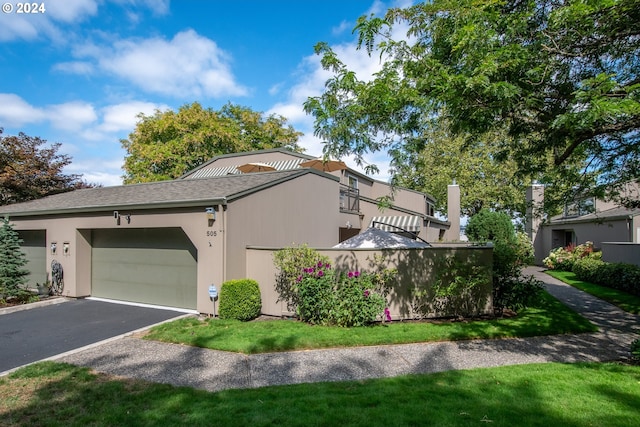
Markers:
<point>154,195</point>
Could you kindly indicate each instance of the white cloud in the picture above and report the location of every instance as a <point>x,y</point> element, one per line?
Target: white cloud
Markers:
<point>124,116</point>
<point>344,26</point>
<point>188,65</point>
<point>74,67</point>
<point>69,11</point>
<point>16,112</point>
<point>71,116</point>
<point>14,26</point>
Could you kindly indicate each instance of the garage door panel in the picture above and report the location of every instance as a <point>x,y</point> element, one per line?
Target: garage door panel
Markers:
<point>151,266</point>
<point>34,247</point>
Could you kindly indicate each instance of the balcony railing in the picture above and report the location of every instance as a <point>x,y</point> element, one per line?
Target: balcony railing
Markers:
<point>349,199</point>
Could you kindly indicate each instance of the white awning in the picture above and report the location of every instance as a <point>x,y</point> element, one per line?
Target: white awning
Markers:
<point>412,223</point>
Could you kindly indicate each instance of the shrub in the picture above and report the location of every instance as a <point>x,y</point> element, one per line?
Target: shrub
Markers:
<point>625,277</point>
<point>588,269</point>
<point>240,299</point>
<point>563,259</point>
<point>315,293</point>
<point>290,262</point>
<point>492,226</point>
<point>329,298</point>
<point>13,274</point>
<point>511,252</point>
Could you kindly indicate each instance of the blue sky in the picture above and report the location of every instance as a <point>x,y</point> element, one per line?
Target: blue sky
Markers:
<point>80,72</point>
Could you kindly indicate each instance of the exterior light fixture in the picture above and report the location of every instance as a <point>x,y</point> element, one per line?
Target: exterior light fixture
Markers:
<point>211,215</point>
<point>65,248</point>
<point>54,248</point>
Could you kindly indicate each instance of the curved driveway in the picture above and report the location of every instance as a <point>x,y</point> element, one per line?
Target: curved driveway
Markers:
<point>38,333</point>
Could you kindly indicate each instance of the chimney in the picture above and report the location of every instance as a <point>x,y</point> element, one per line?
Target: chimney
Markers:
<point>534,218</point>
<point>453,212</point>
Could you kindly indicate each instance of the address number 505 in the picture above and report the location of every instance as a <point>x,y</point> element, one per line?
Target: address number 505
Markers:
<point>212,233</point>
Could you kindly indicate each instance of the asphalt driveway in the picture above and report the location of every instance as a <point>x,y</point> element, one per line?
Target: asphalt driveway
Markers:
<point>31,335</point>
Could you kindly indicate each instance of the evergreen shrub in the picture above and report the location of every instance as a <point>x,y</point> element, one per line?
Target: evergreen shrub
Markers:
<point>240,299</point>
<point>511,252</point>
<point>13,274</point>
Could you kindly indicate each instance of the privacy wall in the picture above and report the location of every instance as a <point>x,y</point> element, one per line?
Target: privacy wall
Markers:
<point>418,272</point>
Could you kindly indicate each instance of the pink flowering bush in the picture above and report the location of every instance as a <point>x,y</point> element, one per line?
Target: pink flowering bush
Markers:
<point>563,259</point>
<point>326,297</point>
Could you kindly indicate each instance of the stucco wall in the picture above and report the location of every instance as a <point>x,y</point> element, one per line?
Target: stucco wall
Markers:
<point>628,253</point>
<point>304,210</point>
<point>417,269</point>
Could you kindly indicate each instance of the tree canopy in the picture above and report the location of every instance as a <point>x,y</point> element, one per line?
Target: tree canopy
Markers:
<point>168,144</point>
<point>30,169</point>
<point>560,78</point>
<point>443,158</point>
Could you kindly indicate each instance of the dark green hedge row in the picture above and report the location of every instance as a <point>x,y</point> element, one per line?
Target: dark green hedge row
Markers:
<point>240,299</point>
<point>624,277</point>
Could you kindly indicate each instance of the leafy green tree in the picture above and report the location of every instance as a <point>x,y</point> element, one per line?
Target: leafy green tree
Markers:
<point>168,144</point>
<point>13,275</point>
<point>30,169</point>
<point>560,77</point>
<point>485,182</point>
<point>511,252</point>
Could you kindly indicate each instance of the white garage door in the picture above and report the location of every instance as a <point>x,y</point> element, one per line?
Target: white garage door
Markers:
<point>152,266</point>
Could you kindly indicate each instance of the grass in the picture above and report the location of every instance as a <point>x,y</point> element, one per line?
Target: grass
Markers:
<point>550,318</point>
<point>627,302</point>
<point>54,394</point>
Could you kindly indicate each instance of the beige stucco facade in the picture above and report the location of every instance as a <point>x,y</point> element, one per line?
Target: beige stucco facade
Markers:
<point>608,222</point>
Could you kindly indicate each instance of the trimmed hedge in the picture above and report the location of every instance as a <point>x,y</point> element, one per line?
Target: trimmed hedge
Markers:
<point>624,277</point>
<point>240,299</point>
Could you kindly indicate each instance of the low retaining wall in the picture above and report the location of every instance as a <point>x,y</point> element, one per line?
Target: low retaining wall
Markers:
<point>628,253</point>
<point>418,270</point>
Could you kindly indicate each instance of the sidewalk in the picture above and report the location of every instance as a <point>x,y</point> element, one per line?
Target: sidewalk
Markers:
<point>216,370</point>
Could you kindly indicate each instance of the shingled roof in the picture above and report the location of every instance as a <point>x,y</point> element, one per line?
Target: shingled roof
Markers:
<point>177,193</point>
<point>609,214</point>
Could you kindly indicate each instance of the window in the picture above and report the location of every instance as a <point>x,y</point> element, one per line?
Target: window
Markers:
<point>352,181</point>
<point>580,207</point>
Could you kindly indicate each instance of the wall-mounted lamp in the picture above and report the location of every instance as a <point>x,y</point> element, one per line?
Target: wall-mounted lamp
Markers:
<point>66,248</point>
<point>211,215</point>
<point>54,248</point>
<point>349,225</point>
<point>117,216</point>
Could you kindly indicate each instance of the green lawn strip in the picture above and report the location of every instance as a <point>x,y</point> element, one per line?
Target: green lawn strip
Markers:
<point>550,318</point>
<point>55,394</point>
<point>627,302</point>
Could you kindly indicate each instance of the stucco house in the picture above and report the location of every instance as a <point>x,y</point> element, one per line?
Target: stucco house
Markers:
<point>165,243</point>
<point>605,223</point>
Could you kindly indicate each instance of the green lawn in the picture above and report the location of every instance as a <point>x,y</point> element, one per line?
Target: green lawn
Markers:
<point>54,394</point>
<point>550,318</point>
<point>627,302</point>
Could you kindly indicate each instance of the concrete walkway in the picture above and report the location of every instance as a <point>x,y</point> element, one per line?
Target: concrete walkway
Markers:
<point>216,370</point>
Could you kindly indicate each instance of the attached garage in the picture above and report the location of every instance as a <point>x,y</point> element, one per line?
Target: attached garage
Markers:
<point>34,247</point>
<point>152,266</point>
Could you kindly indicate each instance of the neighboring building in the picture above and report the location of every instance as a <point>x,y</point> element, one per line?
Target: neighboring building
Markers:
<point>582,220</point>
<point>165,243</point>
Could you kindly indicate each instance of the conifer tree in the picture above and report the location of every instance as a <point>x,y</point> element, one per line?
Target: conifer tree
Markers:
<point>13,274</point>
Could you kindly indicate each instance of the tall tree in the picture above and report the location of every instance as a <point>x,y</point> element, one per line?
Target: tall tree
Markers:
<point>561,77</point>
<point>438,158</point>
<point>168,144</point>
<point>30,168</point>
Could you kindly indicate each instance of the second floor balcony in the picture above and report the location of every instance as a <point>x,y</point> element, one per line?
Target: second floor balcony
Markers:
<point>349,199</point>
